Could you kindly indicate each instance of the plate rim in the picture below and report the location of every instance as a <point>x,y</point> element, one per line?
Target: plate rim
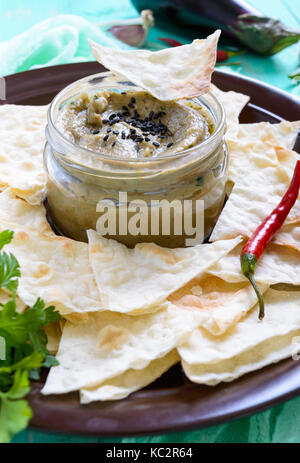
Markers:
<point>282,386</point>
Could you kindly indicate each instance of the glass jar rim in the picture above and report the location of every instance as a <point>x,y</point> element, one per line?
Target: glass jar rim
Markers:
<point>120,160</point>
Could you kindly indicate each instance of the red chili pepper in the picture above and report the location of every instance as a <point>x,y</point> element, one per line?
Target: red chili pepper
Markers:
<point>222,55</point>
<point>256,245</point>
<point>171,42</point>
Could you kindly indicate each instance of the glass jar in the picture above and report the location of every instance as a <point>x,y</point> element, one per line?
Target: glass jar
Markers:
<point>82,185</point>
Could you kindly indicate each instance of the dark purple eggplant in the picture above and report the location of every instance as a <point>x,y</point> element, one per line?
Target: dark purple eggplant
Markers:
<point>236,18</point>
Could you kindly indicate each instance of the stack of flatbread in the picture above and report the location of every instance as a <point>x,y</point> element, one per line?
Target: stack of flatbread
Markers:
<point>128,315</point>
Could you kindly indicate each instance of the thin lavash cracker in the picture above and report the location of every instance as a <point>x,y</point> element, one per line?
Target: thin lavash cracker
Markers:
<point>109,343</point>
<point>248,345</point>
<point>251,146</point>
<point>5,296</point>
<point>226,303</point>
<point>22,140</point>
<point>254,197</point>
<point>169,74</point>
<point>289,235</point>
<point>132,380</point>
<point>278,264</point>
<point>137,280</point>
<point>17,211</point>
<point>233,103</point>
<point>55,269</point>
<point>53,332</point>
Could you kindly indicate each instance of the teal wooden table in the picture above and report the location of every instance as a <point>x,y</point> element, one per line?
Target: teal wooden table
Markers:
<point>281,423</point>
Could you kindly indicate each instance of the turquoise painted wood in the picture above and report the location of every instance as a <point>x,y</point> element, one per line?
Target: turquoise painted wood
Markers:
<point>282,423</point>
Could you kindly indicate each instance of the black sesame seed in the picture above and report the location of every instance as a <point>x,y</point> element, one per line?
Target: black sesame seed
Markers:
<point>123,93</point>
<point>133,100</point>
<point>108,130</point>
<point>113,143</point>
<point>116,132</point>
<point>125,108</point>
<point>117,119</point>
<point>105,121</point>
<point>105,138</point>
<point>130,105</point>
<point>95,132</point>
<point>161,136</point>
<point>155,143</point>
<point>133,136</point>
<point>147,139</point>
<point>112,116</point>
<point>139,139</point>
<point>123,135</point>
<point>170,144</point>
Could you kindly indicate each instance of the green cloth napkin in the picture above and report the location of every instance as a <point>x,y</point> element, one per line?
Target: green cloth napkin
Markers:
<point>43,34</point>
<point>59,40</point>
<point>280,424</point>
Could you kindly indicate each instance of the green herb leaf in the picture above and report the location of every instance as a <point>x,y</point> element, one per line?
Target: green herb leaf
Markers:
<point>25,347</point>
<point>14,412</point>
<point>34,360</point>
<point>9,272</point>
<point>5,237</point>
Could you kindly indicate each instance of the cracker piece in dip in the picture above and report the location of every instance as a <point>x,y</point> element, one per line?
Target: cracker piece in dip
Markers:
<point>169,74</point>
<point>133,124</point>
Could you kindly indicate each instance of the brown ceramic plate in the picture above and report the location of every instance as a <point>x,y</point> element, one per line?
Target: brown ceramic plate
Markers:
<point>172,403</point>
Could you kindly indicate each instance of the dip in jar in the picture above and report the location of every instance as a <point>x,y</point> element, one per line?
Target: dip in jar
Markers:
<point>107,137</point>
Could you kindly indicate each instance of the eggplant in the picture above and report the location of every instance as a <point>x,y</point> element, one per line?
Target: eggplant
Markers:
<point>236,18</point>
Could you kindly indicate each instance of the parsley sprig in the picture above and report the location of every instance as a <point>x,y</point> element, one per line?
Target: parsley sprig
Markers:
<point>25,344</point>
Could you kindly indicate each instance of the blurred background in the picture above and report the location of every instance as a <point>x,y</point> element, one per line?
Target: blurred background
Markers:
<point>35,34</point>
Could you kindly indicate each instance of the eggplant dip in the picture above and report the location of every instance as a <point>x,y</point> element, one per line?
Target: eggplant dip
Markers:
<point>133,124</point>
